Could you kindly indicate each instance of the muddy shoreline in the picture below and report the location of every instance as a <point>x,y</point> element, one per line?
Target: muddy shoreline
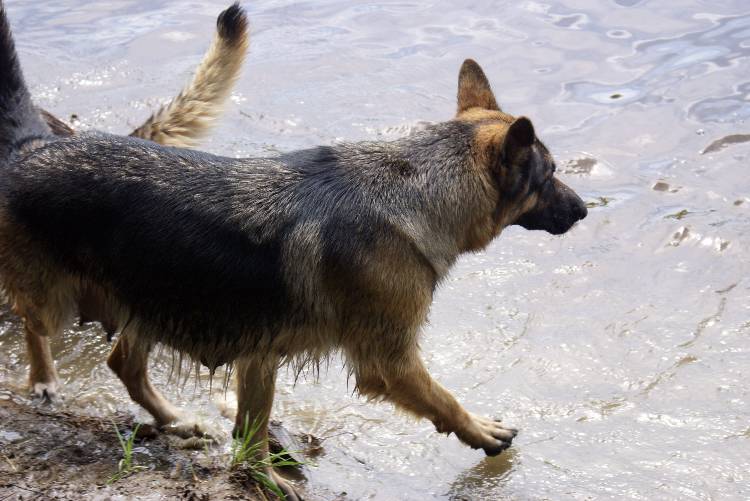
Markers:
<point>48,452</point>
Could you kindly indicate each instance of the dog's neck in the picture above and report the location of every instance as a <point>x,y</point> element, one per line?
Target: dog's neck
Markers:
<point>426,185</point>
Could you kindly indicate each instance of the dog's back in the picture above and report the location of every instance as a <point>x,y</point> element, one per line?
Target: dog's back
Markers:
<point>132,220</point>
<point>257,246</point>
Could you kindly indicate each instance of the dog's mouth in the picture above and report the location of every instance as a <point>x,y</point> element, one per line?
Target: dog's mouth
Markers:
<point>553,222</point>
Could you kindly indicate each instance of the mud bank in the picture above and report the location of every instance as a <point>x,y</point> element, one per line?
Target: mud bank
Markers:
<point>47,452</point>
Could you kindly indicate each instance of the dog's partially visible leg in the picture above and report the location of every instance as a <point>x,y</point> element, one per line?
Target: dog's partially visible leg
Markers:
<point>43,377</point>
<point>256,380</point>
<point>129,360</point>
<point>410,387</point>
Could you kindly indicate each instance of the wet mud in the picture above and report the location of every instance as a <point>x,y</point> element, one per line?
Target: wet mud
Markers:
<point>48,452</point>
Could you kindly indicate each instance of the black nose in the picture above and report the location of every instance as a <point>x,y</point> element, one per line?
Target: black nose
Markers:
<point>580,211</point>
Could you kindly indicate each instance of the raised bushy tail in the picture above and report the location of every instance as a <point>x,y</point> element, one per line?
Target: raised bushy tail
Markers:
<point>189,116</point>
<point>19,118</point>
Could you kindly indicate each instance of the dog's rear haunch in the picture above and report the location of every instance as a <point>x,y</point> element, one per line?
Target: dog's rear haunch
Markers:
<point>261,261</point>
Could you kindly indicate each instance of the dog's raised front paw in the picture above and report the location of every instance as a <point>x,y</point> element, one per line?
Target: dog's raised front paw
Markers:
<point>489,435</point>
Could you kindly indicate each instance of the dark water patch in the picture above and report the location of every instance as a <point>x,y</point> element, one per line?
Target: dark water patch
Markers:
<point>725,141</point>
<point>628,3</point>
<point>583,165</point>
<point>679,215</point>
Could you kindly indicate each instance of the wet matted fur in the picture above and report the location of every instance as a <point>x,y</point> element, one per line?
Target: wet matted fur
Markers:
<point>259,261</point>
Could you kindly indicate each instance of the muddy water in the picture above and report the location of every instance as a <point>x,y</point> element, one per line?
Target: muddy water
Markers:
<point>621,350</point>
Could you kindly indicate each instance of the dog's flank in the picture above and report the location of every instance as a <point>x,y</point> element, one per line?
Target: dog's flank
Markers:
<point>19,118</point>
<point>189,116</point>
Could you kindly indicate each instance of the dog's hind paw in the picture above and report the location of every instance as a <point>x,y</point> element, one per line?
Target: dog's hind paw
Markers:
<point>46,392</point>
<point>189,435</point>
<point>192,443</point>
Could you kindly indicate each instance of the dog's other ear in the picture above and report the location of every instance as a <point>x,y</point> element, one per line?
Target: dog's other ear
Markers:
<point>520,135</point>
<point>474,89</point>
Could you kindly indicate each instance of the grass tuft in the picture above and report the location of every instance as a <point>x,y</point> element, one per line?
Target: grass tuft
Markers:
<point>244,454</point>
<point>125,466</point>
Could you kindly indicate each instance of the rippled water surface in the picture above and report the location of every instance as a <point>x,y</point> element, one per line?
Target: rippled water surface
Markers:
<point>621,350</point>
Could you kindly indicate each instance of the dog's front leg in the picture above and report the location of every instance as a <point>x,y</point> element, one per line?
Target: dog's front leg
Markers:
<point>256,380</point>
<point>410,386</point>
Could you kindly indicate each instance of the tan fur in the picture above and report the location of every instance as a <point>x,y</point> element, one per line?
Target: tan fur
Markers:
<point>475,114</point>
<point>188,117</point>
<point>57,126</point>
<point>474,89</point>
<point>43,377</point>
<point>256,381</point>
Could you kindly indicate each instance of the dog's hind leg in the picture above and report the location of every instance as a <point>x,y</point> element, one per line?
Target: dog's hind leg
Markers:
<point>129,360</point>
<point>409,386</point>
<point>256,380</point>
<point>42,318</point>
<point>43,377</point>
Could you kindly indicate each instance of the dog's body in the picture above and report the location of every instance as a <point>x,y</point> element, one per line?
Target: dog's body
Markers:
<point>259,261</point>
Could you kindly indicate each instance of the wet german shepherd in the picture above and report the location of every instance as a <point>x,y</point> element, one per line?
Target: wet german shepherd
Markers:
<point>257,262</point>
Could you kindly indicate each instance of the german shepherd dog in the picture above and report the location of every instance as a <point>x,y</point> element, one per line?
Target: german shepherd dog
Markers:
<point>182,122</point>
<point>258,262</point>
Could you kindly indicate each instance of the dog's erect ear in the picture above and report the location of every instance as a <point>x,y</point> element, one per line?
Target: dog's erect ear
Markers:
<point>520,135</point>
<point>474,89</point>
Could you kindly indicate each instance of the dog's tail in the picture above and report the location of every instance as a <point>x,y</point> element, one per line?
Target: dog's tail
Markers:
<point>189,116</point>
<point>19,118</point>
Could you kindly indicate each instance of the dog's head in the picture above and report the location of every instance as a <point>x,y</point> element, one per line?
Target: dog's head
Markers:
<point>518,164</point>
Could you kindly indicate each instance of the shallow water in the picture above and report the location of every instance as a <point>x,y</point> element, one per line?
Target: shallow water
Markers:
<point>621,350</point>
